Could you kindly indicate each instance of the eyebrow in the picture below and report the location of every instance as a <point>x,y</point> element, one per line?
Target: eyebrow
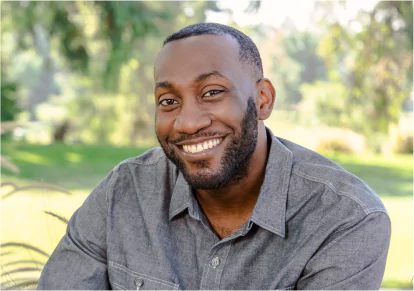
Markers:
<point>198,79</point>
<point>165,84</point>
<point>202,77</point>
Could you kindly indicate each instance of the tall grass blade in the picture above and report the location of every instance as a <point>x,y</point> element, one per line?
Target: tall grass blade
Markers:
<point>21,270</point>
<point>42,186</point>
<point>25,245</point>
<point>6,253</point>
<point>60,217</point>
<point>24,262</point>
<point>20,284</point>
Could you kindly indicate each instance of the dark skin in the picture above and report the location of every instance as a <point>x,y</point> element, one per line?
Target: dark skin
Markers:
<point>201,86</point>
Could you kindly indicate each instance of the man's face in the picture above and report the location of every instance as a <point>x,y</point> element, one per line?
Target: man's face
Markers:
<point>206,117</point>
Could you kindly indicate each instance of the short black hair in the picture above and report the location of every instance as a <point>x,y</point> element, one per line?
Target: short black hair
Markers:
<point>248,52</point>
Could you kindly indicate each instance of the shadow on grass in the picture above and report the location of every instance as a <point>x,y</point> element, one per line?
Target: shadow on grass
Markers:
<point>385,181</point>
<point>67,166</point>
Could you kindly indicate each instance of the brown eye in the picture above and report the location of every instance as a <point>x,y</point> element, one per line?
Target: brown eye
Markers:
<point>212,93</point>
<point>168,102</point>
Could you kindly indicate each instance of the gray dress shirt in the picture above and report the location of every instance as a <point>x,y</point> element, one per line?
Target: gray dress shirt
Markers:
<point>314,226</point>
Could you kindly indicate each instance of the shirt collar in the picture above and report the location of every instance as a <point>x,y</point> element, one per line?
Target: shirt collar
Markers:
<point>270,209</point>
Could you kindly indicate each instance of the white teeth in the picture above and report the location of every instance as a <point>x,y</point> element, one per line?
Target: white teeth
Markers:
<point>195,148</point>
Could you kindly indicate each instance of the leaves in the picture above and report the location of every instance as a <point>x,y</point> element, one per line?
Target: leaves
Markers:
<point>374,63</point>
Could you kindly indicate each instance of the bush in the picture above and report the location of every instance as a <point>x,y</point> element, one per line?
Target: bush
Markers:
<point>401,135</point>
<point>403,144</point>
<point>323,139</point>
<point>334,145</point>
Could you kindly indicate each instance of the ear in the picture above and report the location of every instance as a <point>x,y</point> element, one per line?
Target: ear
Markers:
<point>265,99</point>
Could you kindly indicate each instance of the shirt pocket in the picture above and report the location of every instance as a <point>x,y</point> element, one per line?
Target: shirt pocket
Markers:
<point>122,278</point>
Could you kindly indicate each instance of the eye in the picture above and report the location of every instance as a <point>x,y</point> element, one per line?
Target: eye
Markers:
<point>212,93</point>
<point>168,102</point>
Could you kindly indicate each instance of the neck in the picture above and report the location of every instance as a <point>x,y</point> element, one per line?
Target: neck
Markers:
<point>238,199</point>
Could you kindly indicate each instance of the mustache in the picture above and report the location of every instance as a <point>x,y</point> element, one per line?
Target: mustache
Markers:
<point>188,137</point>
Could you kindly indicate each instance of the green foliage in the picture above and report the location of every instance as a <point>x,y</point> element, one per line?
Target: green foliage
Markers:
<point>327,101</point>
<point>120,25</point>
<point>374,64</point>
<point>123,23</point>
<point>297,62</point>
<point>404,144</point>
<point>9,107</point>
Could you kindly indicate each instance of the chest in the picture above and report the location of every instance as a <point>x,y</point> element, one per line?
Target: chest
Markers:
<point>185,254</point>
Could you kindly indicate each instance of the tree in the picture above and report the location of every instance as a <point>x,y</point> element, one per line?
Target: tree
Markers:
<point>9,107</point>
<point>372,59</point>
<point>295,60</point>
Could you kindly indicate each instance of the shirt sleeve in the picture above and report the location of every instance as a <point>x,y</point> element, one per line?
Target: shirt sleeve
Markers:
<point>79,261</point>
<point>353,258</point>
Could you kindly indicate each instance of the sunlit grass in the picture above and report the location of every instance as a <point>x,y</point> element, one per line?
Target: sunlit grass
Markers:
<point>79,168</point>
<point>399,269</point>
<point>388,176</point>
<point>69,166</point>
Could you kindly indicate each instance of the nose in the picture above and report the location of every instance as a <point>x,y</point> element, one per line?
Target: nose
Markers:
<point>191,118</point>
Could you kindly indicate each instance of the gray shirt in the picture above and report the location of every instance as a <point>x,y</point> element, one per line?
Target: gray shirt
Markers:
<point>314,226</point>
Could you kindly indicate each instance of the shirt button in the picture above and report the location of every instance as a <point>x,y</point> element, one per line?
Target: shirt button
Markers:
<point>138,282</point>
<point>215,262</point>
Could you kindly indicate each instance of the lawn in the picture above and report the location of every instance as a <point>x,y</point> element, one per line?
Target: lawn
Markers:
<point>78,168</point>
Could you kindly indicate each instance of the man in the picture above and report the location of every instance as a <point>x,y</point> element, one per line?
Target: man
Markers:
<point>224,204</point>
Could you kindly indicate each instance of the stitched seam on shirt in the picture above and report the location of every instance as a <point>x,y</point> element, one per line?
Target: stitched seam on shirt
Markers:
<point>203,278</point>
<point>117,285</point>
<point>289,288</point>
<point>156,280</point>
<point>110,185</point>
<point>273,229</point>
<point>284,190</point>
<point>179,210</point>
<point>134,179</point>
<point>350,225</point>
<point>332,187</point>
<point>224,264</point>
<point>372,210</point>
<point>144,163</point>
<point>346,226</point>
<point>254,219</point>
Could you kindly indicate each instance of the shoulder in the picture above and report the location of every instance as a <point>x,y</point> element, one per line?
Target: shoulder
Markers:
<point>314,173</point>
<point>150,157</point>
<point>144,172</point>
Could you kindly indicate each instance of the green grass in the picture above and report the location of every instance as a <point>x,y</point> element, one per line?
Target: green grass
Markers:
<point>388,176</point>
<point>72,167</point>
<point>79,168</point>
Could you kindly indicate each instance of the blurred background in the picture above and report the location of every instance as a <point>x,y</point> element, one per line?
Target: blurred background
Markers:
<point>77,98</point>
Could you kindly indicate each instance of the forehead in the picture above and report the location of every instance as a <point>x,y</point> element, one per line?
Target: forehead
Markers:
<point>183,59</point>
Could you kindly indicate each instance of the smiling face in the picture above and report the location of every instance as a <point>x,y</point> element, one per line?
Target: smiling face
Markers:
<point>206,115</point>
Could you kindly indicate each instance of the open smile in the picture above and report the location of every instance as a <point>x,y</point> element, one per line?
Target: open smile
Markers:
<point>199,147</point>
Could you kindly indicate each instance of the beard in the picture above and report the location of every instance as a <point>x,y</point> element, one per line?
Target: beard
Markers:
<point>236,159</point>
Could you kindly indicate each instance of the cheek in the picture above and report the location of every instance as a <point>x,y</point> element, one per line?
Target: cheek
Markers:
<point>163,125</point>
<point>231,110</point>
